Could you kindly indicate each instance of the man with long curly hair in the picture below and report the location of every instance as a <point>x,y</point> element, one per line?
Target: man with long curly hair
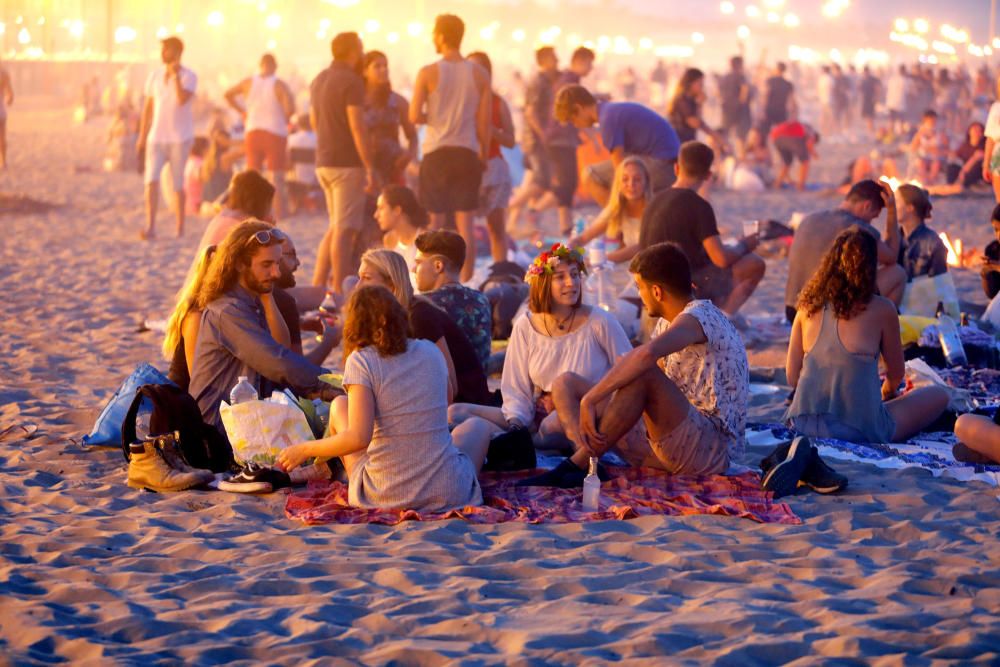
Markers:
<point>234,339</point>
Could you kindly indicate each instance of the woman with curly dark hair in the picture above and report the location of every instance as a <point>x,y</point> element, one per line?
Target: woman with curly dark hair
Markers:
<point>841,328</point>
<point>391,430</point>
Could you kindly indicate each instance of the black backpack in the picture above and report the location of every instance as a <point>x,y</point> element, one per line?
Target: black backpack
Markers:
<point>175,411</point>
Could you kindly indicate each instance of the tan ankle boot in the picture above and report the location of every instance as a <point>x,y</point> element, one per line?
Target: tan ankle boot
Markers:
<point>171,452</point>
<point>148,470</point>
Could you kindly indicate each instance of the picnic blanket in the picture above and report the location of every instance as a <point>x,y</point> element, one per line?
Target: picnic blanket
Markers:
<point>631,493</point>
<point>930,451</point>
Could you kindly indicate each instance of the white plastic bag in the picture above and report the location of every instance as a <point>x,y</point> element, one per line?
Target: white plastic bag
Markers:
<point>923,294</point>
<point>258,430</point>
<point>921,374</point>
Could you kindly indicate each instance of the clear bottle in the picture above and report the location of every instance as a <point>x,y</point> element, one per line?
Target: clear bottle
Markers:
<point>243,392</point>
<point>951,341</point>
<point>602,291</point>
<point>592,488</point>
<point>328,308</point>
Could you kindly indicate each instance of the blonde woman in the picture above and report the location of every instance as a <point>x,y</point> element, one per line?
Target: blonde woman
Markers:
<point>621,219</point>
<point>182,327</point>
<point>466,378</point>
<point>185,321</point>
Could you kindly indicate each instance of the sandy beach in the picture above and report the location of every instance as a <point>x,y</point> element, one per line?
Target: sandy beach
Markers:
<point>901,568</point>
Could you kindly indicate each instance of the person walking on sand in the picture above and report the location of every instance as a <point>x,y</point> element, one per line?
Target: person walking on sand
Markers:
<point>345,166</point>
<point>453,98</point>
<point>6,99</point>
<point>166,130</point>
<point>267,107</point>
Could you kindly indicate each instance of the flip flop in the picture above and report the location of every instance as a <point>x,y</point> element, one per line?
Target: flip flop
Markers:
<point>16,432</point>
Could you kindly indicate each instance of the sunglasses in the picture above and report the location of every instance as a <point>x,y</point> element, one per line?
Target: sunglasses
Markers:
<point>265,237</point>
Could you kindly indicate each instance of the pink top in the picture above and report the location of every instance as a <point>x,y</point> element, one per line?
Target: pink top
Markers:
<point>220,226</point>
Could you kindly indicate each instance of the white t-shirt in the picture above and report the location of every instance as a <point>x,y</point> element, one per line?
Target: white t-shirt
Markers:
<point>993,123</point>
<point>172,122</point>
<point>305,172</point>
<point>895,92</point>
<point>534,360</point>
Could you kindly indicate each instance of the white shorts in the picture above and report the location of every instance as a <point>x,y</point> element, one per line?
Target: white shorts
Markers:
<point>158,155</point>
<point>494,192</point>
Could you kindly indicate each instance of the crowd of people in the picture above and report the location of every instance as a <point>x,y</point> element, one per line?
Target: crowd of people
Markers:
<point>416,421</point>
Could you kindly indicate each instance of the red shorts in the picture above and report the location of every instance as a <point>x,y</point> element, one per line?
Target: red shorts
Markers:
<point>264,147</point>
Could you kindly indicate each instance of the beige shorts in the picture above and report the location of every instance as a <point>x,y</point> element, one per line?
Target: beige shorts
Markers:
<point>344,188</point>
<point>695,447</point>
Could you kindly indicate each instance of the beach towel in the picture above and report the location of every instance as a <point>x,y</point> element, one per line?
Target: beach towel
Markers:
<point>930,451</point>
<point>631,493</point>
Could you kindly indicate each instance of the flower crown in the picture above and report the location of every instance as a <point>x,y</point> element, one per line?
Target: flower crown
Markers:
<point>551,258</point>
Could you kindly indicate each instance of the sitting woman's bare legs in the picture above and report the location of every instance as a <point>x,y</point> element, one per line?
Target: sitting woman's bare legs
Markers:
<point>338,423</point>
<point>916,410</point>
<point>472,438</point>
<point>460,412</point>
<point>979,434</point>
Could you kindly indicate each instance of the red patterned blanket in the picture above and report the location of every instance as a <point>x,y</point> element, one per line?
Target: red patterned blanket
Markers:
<point>633,492</point>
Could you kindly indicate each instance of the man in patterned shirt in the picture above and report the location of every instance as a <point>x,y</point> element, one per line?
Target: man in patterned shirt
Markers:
<point>439,260</point>
<point>690,383</point>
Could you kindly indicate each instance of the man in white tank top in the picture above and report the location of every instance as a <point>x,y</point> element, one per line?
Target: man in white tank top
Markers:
<point>267,107</point>
<point>452,98</point>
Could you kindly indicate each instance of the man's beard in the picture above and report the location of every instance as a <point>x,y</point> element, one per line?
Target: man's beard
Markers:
<point>259,287</point>
<point>285,280</point>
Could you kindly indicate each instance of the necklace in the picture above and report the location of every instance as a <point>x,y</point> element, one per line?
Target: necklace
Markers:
<point>561,326</point>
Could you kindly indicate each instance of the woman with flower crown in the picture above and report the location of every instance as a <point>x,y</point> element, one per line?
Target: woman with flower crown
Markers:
<point>559,334</point>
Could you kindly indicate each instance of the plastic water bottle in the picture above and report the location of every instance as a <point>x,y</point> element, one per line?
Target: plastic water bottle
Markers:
<point>602,289</point>
<point>951,342</point>
<point>579,227</point>
<point>328,309</point>
<point>592,488</point>
<point>243,392</point>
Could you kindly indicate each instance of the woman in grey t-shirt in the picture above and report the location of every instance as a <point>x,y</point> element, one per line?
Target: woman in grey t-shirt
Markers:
<point>391,430</point>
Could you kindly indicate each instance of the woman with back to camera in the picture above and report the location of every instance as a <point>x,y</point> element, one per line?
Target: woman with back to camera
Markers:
<point>841,329</point>
<point>391,430</point>
<point>466,376</point>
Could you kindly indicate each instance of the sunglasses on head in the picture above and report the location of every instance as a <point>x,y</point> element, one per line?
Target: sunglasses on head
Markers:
<point>266,237</point>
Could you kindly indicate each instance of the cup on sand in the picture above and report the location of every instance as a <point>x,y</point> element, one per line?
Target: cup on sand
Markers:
<point>751,228</point>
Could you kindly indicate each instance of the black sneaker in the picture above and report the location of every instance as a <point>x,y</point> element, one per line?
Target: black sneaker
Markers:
<point>783,478</point>
<point>820,477</point>
<point>777,455</point>
<point>255,478</point>
<point>513,450</point>
<point>566,475</point>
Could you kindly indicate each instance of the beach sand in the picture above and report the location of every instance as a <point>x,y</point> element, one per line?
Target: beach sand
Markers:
<point>900,568</point>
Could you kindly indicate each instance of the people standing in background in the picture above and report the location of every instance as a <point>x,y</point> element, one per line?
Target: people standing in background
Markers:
<point>734,91</point>
<point>494,191</point>
<point>684,111</point>
<point>267,108</point>
<point>386,113</point>
<point>538,190</point>
<point>779,99</point>
<point>870,88</point>
<point>452,97</point>
<point>166,129</point>
<point>345,167</point>
<point>897,90</point>
<point>991,157</point>
<point>564,139</point>
<point>6,99</point>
